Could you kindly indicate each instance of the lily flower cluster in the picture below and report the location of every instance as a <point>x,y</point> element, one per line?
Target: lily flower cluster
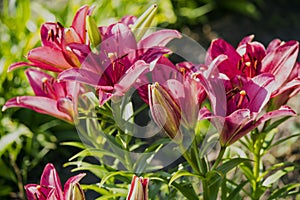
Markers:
<point>50,187</point>
<point>246,86</point>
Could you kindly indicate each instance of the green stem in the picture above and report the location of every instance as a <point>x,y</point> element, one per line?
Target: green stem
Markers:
<point>219,158</point>
<point>206,194</point>
<point>201,163</point>
<point>188,159</point>
<point>256,168</point>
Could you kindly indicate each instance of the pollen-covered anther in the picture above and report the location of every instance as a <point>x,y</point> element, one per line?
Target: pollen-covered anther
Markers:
<point>243,94</point>
<point>44,80</point>
<point>248,63</point>
<point>111,56</point>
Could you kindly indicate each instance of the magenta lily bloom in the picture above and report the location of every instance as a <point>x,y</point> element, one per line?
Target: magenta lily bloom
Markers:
<point>121,60</point>
<point>50,187</point>
<point>138,189</point>
<point>251,59</point>
<point>57,52</point>
<point>244,103</point>
<point>53,97</point>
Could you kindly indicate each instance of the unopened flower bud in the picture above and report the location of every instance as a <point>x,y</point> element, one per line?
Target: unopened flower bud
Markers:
<point>93,31</point>
<point>165,111</point>
<point>76,192</point>
<point>138,189</point>
<point>145,20</point>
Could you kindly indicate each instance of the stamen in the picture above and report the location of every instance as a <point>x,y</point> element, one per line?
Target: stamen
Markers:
<point>111,56</point>
<point>255,64</point>
<point>50,35</point>
<point>45,79</point>
<point>242,97</point>
<point>248,64</point>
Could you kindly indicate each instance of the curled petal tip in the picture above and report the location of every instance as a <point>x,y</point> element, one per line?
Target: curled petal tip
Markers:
<point>4,108</point>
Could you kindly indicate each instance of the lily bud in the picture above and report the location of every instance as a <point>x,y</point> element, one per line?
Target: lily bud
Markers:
<point>76,192</point>
<point>93,31</point>
<point>145,20</point>
<point>165,111</point>
<point>138,189</point>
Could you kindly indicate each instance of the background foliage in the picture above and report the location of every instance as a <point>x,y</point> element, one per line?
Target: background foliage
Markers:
<point>29,140</point>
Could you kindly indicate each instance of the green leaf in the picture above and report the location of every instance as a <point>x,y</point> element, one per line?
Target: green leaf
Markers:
<point>181,173</point>
<point>7,172</point>
<point>277,166</point>
<point>187,190</point>
<point>79,145</point>
<point>237,190</point>
<point>275,124</point>
<point>214,178</point>
<point>247,171</point>
<point>98,153</point>
<point>277,175</point>
<point>98,170</point>
<point>95,188</point>
<point>229,165</point>
<point>111,174</point>
<point>110,196</point>
<point>148,155</point>
<point>7,140</point>
<point>284,139</point>
<point>284,191</point>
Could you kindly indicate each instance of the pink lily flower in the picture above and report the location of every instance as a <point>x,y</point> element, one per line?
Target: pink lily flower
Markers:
<point>50,187</point>
<point>58,51</point>
<point>244,104</point>
<point>53,97</point>
<point>138,189</point>
<point>121,59</point>
<point>251,59</point>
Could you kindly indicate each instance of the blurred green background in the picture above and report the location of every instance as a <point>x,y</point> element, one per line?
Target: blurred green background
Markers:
<point>29,140</point>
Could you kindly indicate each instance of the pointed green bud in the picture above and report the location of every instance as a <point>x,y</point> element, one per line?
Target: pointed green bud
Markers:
<point>93,31</point>
<point>145,20</point>
<point>165,111</point>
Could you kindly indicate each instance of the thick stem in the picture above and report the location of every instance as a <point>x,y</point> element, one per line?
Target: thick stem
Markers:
<point>188,159</point>
<point>256,168</point>
<point>206,194</point>
<point>219,158</point>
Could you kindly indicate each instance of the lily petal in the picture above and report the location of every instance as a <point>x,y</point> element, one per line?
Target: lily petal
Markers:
<point>130,77</point>
<point>214,87</point>
<point>259,90</point>
<point>50,178</point>
<point>79,22</point>
<point>42,105</point>
<point>273,45</point>
<point>71,181</point>
<point>118,40</point>
<point>234,124</point>
<point>48,58</point>
<point>251,124</point>
<point>80,75</point>
<point>246,40</point>
<point>159,38</point>
<point>27,64</point>
<point>281,61</point>
<point>35,78</point>
<point>219,47</point>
